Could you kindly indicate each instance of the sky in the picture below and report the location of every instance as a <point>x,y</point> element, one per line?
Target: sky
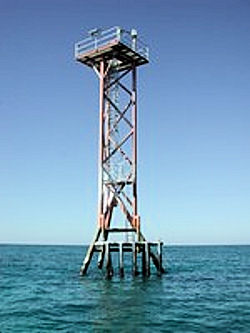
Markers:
<point>193,113</point>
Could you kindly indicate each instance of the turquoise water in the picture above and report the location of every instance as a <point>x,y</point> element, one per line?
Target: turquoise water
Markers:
<point>206,289</point>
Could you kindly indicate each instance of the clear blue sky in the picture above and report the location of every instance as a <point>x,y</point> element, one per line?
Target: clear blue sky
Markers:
<point>194,120</point>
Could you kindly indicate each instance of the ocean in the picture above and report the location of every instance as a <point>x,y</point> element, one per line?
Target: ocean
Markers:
<point>205,289</point>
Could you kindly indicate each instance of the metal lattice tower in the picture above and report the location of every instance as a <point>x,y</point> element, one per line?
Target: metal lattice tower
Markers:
<point>114,55</point>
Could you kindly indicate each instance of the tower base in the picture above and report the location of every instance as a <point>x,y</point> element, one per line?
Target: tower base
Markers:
<point>142,253</point>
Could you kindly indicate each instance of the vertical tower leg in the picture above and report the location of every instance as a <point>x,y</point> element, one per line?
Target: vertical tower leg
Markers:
<point>121,260</point>
<point>100,257</point>
<point>143,259</point>
<point>101,148</point>
<point>147,258</point>
<point>109,268</point>
<point>90,252</point>
<point>159,250</point>
<point>134,255</point>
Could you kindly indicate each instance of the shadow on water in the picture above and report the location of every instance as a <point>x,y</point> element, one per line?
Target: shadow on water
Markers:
<point>123,304</point>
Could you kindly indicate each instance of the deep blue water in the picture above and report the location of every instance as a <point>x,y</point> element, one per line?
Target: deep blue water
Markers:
<point>206,289</point>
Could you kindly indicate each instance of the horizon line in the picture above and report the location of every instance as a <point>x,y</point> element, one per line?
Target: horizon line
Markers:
<point>87,244</point>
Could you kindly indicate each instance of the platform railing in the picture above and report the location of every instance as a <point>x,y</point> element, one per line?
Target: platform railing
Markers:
<point>100,38</point>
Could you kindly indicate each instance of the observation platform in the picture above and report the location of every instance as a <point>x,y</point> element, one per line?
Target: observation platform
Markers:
<point>114,43</point>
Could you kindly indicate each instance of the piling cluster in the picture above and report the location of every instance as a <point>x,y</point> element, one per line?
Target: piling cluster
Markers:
<point>145,251</point>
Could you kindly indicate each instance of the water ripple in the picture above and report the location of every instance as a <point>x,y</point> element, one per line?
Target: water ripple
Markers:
<point>207,289</point>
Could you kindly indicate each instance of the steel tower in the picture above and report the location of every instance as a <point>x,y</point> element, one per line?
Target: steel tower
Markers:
<point>115,54</point>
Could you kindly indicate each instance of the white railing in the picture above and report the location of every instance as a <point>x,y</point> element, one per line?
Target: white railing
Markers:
<point>99,38</point>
